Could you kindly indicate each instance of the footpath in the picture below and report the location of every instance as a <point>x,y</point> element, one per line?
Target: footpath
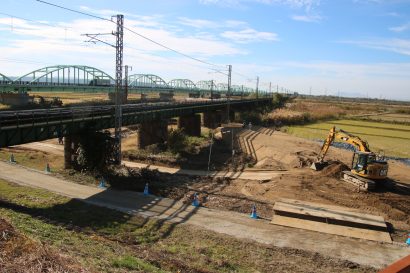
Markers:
<point>239,225</point>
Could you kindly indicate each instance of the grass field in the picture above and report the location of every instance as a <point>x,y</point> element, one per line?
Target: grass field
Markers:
<point>79,97</point>
<point>393,139</point>
<point>392,117</point>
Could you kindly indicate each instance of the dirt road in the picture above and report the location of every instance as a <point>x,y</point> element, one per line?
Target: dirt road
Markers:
<point>263,175</point>
<point>231,223</point>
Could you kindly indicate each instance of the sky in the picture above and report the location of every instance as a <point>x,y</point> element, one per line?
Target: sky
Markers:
<point>319,47</point>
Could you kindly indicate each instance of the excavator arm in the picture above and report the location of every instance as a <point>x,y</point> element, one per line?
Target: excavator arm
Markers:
<point>361,145</point>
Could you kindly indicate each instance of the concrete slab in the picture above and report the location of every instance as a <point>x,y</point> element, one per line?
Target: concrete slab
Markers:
<point>330,219</point>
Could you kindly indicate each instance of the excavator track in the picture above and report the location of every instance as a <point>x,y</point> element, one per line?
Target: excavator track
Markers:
<point>361,183</point>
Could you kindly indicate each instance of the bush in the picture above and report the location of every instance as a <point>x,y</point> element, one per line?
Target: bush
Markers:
<point>96,150</point>
<point>177,140</point>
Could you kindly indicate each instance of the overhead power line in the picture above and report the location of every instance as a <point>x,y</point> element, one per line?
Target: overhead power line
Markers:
<point>34,21</point>
<point>75,11</point>
<point>132,31</point>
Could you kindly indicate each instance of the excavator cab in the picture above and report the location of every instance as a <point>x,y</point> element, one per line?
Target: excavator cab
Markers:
<point>360,160</point>
<point>367,164</point>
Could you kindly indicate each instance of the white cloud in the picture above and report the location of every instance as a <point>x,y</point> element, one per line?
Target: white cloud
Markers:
<point>400,46</point>
<point>198,23</point>
<point>307,18</point>
<point>401,28</point>
<point>305,4</point>
<point>249,35</point>
<point>387,80</point>
<point>201,23</point>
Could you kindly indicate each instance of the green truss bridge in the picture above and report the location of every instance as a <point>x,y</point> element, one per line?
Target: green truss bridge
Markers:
<point>87,79</point>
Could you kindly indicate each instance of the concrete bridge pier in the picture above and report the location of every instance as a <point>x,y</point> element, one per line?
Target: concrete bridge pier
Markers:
<point>212,120</point>
<point>191,124</point>
<point>71,144</point>
<point>152,133</point>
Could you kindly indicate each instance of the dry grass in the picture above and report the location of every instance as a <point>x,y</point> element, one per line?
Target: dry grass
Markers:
<point>19,253</point>
<point>33,159</point>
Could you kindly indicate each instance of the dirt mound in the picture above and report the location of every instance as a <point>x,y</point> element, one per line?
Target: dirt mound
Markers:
<point>20,254</point>
<point>334,169</point>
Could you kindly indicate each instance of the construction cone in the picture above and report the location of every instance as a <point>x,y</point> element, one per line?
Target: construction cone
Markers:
<point>408,240</point>
<point>47,169</point>
<point>12,160</point>
<point>102,184</point>
<point>254,215</point>
<point>146,191</point>
<point>195,202</point>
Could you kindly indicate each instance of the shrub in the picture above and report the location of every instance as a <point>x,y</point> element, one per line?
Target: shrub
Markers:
<point>177,140</point>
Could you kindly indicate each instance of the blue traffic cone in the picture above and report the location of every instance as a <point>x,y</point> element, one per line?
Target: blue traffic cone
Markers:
<point>408,240</point>
<point>102,184</point>
<point>146,191</point>
<point>254,215</point>
<point>47,169</point>
<point>195,202</point>
<point>12,160</point>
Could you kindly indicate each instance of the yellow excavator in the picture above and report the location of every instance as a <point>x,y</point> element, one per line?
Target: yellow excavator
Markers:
<point>367,167</point>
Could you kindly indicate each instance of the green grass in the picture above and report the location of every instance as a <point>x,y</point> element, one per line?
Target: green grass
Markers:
<point>393,139</point>
<point>105,240</point>
<point>132,263</point>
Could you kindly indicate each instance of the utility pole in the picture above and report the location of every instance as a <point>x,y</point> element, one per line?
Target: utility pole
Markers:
<point>119,52</point>
<point>126,82</point>
<point>212,90</point>
<point>229,92</point>
<point>270,89</point>
<point>119,48</point>
<point>257,87</point>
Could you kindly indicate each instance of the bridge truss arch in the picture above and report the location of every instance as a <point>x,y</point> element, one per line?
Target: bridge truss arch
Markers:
<point>222,87</point>
<point>206,85</point>
<point>183,84</point>
<point>66,75</point>
<point>4,78</point>
<point>146,81</point>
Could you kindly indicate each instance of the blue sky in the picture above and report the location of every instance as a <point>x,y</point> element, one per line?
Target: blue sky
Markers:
<point>347,47</point>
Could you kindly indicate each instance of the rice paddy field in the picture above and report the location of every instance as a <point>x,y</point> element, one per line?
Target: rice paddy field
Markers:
<point>393,139</point>
<point>390,117</point>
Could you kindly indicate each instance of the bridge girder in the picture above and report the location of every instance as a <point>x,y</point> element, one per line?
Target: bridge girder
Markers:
<point>65,74</point>
<point>183,84</point>
<point>146,80</point>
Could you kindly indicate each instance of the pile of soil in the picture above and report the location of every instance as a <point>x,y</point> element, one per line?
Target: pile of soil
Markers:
<point>334,169</point>
<point>20,254</point>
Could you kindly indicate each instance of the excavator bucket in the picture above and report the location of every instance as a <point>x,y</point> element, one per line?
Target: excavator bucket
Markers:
<point>317,166</point>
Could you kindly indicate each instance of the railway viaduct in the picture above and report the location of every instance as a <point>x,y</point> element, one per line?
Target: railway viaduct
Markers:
<point>19,127</point>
